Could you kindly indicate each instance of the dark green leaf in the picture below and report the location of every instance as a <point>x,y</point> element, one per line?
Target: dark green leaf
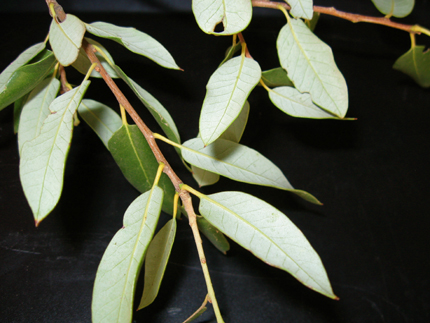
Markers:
<point>416,64</point>
<point>276,77</point>
<point>231,51</point>
<point>313,22</point>
<point>215,236</point>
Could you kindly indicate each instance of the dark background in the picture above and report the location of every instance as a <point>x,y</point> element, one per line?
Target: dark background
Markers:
<point>372,175</point>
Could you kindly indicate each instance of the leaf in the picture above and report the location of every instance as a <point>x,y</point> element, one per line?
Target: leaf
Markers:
<point>416,64</point>
<point>83,63</point>
<point>313,22</point>
<point>199,311</point>
<point>204,177</point>
<point>310,65</point>
<point>116,278</point>
<point>213,234</point>
<point>239,163</point>
<point>156,262</point>
<point>396,8</point>
<point>301,8</point>
<point>235,15</point>
<point>25,78</point>
<point>17,109</point>
<point>297,104</point>
<point>36,110</point>
<point>276,77</point>
<point>135,41</point>
<point>43,159</point>
<point>102,119</point>
<point>227,90</point>
<point>231,51</point>
<point>66,38</point>
<point>268,234</point>
<point>134,157</point>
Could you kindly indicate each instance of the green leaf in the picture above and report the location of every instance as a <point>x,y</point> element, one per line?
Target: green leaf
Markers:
<point>313,22</point>
<point>268,234</point>
<point>134,157</point>
<point>396,8</point>
<point>297,104</point>
<point>276,77</point>
<point>416,64</point>
<point>301,8</point>
<point>239,163</point>
<point>227,90</point>
<point>204,177</point>
<point>66,38</point>
<point>83,63</point>
<point>215,236</point>
<point>156,262</point>
<point>135,41</point>
<point>199,311</point>
<point>311,66</point>
<point>231,51</point>
<point>36,110</point>
<point>17,109</point>
<point>116,278</point>
<point>102,119</point>
<point>25,78</point>
<point>43,159</point>
<point>235,15</point>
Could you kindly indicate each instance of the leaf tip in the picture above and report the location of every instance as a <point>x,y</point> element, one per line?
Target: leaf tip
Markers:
<point>37,222</point>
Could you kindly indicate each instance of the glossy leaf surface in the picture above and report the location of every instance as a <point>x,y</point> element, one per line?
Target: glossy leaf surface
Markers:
<point>239,163</point>
<point>396,8</point>
<point>234,15</point>
<point>101,118</point>
<point>156,262</point>
<point>416,64</point>
<point>138,164</point>
<point>134,40</point>
<point>301,8</point>
<point>25,78</point>
<point>268,234</point>
<point>311,66</point>
<point>276,77</point>
<point>43,159</point>
<point>66,38</point>
<point>227,91</point>
<point>117,274</point>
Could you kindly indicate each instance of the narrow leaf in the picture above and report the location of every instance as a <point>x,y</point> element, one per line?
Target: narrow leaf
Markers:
<point>235,15</point>
<point>102,119</point>
<point>276,77</point>
<point>215,236</point>
<point>310,65</point>
<point>297,104</point>
<point>135,41</point>
<point>396,8</point>
<point>156,262</point>
<point>17,109</point>
<point>134,157</point>
<point>36,110</point>
<point>227,90</point>
<point>25,78</point>
<point>268,234</point>
<point>43,159</point>
<point>66,38</point>
<point>416,64</point>
<point>239,163</point>
<point>199,311</point>
<point>116,278</point>
<point>301,8</point>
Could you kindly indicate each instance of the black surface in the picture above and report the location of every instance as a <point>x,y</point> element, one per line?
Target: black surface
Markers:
<point>372,175</point>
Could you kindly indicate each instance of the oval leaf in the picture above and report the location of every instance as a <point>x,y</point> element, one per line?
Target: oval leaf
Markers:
<point>135,41</point>
<point>116,278</point>
<point>268,234</point>
<point>102,119</point>
<point>301,8</point>
<point>396,8</point>
<point>134,157</point>
<point>66,38</point>
<point>239,163</point>
<point>235,15</point>
<point>310,65</point>
<point>416,64</point>
<point>43,159</point>
<point>227,90</point>
<point>156,262</point>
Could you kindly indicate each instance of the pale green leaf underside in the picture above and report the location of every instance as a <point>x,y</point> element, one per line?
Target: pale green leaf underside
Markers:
<point>227,91</point>
<point>156,262</point>
<point>268,234</point>
<point>117,274</point>
<point>36,109</point>
<point>101,118</point>
<point>396,8</point>
<point>297,104</point>
<point>204,177</point>
<point>311,67</point>
<point>66,39</point>
<point>301,8</point>
<point>416,64</point>
<point>43,159</point>
<point>134,40</point>
<point>18,105</point>
<point>235,15</point>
